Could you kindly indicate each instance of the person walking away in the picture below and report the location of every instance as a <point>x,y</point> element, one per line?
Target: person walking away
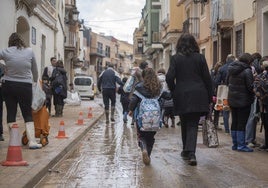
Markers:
<point>107,85</point>
<point>150,87</point>
<point>167,105</point>
<point>21,72</point>
<point>124,99</point>
<point>137,74</point>
<point>189,81</point>
<point>221,80</point>
<point>216,113</point>
<point>240,97</point>
<point>2,70</point>
<point>59,88</point>
<point>261,91</point>
<point>47,73</point>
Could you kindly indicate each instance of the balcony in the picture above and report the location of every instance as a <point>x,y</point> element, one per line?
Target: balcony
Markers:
<point>191,25</point>
<point>29,4</point>
<point>156,4</point>
<point>225,20</point>
<point>156,43</point>
<point>97,52</point>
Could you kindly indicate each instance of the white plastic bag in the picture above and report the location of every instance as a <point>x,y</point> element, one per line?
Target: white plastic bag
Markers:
<point>73,98</point>
<point>39,97</point>
<point>129,84</point>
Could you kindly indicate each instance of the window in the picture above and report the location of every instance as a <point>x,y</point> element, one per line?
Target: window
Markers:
<point>107,51</point>
<point>33,36</point>
<point>99,49</point>
<point>202,9</point>
<point>140,46</point>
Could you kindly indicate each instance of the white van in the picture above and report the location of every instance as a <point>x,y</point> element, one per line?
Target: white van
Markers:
<point>84,85</point>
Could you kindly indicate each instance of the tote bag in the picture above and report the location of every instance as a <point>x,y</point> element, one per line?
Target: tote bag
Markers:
<point>222,98</point>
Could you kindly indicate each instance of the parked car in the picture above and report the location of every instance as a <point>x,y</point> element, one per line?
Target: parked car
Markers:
<point>84,85</point>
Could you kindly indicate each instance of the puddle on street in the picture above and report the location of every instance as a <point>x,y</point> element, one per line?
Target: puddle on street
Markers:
<point>108,156</point>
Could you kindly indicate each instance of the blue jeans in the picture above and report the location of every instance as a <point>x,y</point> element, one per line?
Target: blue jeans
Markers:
<point>251,123</point>
<point>225,115</point>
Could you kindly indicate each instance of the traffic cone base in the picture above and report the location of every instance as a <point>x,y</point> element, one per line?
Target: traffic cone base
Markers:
<point>14,157</point>
<point>80,120</point>
<point>14,153</point>
<point>61,133</point>
<point>89,115</point>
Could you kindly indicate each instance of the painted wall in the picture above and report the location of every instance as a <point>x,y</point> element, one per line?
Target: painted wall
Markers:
<point>243,9</point>
<point>8,25</point>
<point>251,36</point>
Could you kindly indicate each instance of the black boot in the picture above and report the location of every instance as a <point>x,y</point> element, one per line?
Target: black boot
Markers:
<point>192,159</point>
<point>107,116</point>
<point>145,156</point>
<point>112,113</point>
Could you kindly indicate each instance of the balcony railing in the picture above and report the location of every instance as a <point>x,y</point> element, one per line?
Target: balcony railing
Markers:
<point>156,37</point>
<point>192,26</point>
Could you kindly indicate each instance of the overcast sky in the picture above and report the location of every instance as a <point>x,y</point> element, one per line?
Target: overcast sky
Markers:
<point>118,18</point>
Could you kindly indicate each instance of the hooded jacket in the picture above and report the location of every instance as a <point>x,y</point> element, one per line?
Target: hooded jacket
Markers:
<point>240,81</point>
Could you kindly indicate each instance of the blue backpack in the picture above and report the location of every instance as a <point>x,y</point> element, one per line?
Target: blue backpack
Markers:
<point>149,113</point>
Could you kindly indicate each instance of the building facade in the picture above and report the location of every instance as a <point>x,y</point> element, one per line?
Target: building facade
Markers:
<point>38,22</point>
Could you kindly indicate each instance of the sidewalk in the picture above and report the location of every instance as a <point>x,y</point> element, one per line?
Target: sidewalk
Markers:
<point>41,160</point>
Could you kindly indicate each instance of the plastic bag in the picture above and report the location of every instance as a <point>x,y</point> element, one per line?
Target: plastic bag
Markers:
<point>129,84</point>
<point>39,97</point>
<point>73,98</point>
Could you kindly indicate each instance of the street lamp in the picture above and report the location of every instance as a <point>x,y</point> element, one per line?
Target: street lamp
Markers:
<point>75,14</point>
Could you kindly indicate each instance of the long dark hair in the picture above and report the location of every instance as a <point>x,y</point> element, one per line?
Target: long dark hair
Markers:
<point>187,44</point>
<point>16,40</point>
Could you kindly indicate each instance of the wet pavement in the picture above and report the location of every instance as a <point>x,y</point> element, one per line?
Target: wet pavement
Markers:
<point>108,157</point>
<point>42,160</point>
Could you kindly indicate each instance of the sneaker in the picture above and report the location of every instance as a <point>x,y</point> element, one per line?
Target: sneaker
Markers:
<point>263,147</point>
<point>1,138</point>
<point>145,157</point>
<point>192,159</point>
<point>251,145</point>
<point>185,155</point>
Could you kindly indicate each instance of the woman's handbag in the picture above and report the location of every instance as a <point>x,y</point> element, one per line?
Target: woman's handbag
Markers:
<point>39,97</point>
<point>210,136</point>
<point>222,98</point>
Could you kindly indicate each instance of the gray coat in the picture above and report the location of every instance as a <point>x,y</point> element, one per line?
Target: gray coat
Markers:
<point>189,81</point>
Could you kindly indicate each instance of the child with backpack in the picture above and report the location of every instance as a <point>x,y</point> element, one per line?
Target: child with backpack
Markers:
<point>124,99</point>
<point>144,103</point>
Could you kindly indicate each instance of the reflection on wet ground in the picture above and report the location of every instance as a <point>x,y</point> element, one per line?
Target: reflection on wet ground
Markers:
<point>108,156</point>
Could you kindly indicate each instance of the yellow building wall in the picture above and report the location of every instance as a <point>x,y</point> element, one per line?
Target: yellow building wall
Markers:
<point>251,36</point>
<point>176,15</point>
<point>243,9</point>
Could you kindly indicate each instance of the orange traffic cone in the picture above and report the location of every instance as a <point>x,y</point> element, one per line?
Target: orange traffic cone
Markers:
<point>61,133</point>
<point>14,154</point>
<point>89,115</point>
<point>80,120</point>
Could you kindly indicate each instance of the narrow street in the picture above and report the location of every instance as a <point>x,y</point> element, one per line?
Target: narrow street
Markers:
<point>108,156</point>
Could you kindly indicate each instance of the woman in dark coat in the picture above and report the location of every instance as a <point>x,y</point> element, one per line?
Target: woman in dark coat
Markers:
<point>240,97</point>
<point>59,87</point>
<point>189,81</point>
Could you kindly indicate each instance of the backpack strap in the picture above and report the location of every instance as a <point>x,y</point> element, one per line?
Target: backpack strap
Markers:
<point>139,94</point>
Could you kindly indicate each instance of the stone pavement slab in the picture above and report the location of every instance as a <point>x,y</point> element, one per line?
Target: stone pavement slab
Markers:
<point>42,160</point>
